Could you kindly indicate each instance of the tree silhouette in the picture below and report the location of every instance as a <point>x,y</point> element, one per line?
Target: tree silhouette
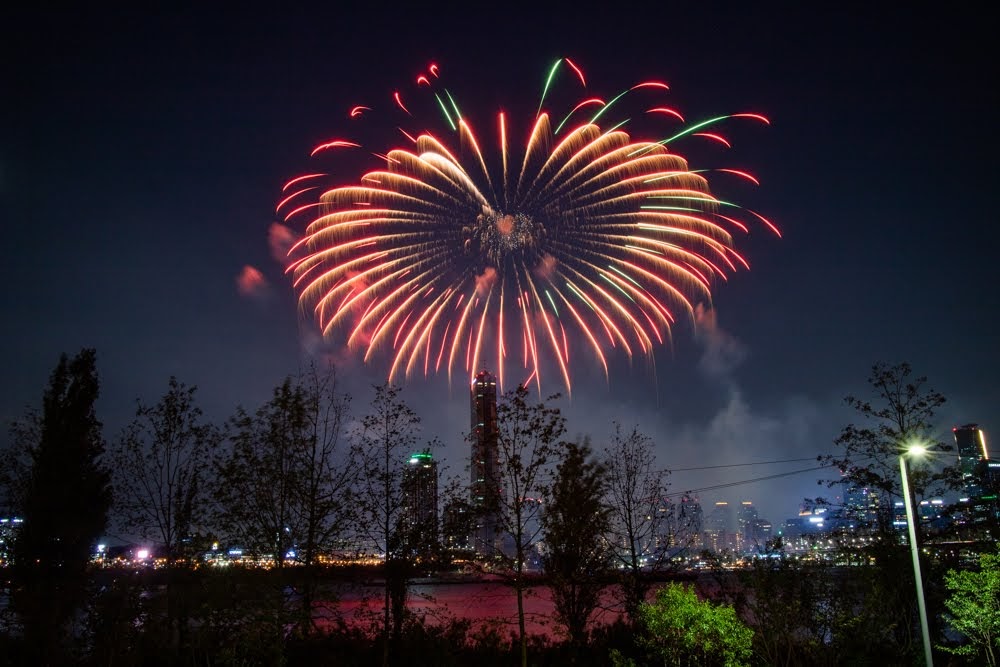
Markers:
<point>64,502</point>
<point>576,522</point>
<point>527,435</point>
<point>160,464</point>
<point>636,492</point>
<point>386,437</point>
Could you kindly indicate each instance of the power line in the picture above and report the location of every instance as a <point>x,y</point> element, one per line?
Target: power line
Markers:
<point>748,481</point>
<point>738,465</point>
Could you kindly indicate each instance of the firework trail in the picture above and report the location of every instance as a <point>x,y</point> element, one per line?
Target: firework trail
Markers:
<point>580,242</point>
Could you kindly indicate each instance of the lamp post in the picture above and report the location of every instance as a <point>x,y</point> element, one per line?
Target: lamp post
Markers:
<point>916,450</point>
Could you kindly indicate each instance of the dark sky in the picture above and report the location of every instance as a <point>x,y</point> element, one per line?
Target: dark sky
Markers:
<point>141,156</point>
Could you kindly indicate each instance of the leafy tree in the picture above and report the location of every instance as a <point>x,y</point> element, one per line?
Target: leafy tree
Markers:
<point>576,521</point>
<point>790,607</point>
<point>160,462</point>
<point>636,491</point>
<point>64,502</point>
<point>284,486</point>
<point>527,435</point>
<point>899,412</point>
<point>974,608</point>
<point>257,477</point>
<point>683,630</point>
<point>902,413</point>
<point>387,435</point>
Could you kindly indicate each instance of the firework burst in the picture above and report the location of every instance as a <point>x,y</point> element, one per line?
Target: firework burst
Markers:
<point>583,240</point>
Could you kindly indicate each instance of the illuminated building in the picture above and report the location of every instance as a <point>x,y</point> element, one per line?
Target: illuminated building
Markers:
<point>861,506</point>
<point>689,525</point>
<point>971,445</point>
<point>754,532</point>
<point>485,466</point>
<point>719,534</point>
<point>420,501</point>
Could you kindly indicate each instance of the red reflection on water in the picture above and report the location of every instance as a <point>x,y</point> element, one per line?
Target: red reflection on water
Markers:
<point>481,603</point>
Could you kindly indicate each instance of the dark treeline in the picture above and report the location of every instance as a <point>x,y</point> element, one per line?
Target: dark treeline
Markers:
<point>314,491</point>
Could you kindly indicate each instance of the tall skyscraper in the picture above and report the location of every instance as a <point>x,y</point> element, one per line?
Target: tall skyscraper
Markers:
<point>485,465</point>
<point>971,445</point>
<point>747,535</point>
<point>420,501</point>
<point>689,526</point>
<point>719,533</point>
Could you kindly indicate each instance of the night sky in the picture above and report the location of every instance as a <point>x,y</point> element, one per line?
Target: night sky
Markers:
<point>142,154</point>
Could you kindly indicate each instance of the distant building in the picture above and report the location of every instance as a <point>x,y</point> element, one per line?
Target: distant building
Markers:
<point>861,506</point>
<point>9,528</point>
<point>420,502</point>
<point>971,444</point>
<point>719,533</point>
<point>689,525</point>
<point>485,466</point>
<point>753,532</point>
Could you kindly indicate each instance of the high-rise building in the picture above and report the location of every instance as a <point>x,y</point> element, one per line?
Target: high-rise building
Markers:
<point>420,502</point>
<point>748,520</point>
<point>689,527</point>
<point>971,445</point>
<point>485,466</point>
<point>719,533</point>
<point>861,506</point>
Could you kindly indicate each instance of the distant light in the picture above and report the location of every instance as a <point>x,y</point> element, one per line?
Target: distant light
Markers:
<point>101,548</point>
<point>142,554</point>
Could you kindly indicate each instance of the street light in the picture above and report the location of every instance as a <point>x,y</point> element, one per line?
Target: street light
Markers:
<point>916,450</point>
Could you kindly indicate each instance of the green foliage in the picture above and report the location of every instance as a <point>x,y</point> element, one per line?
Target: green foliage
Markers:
<point>974,608</point>
<point>683,630</point>
<point>575,522</point>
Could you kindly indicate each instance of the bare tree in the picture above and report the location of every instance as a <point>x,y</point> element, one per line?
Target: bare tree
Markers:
<point>387,435</point>
<point>326,474</point>
<point>160,462</point>
<point>639,517</point>
<point>527,436</point>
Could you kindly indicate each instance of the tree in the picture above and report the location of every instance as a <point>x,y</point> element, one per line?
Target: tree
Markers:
<point>388,434</point>
<point>526,437</point>
<point>64,502</point>
<point>326,477</point>
<point>974,608</point>
<point>636,497</point>
<point>683,630</point>
<point>284,484</point>
<point>576,522</point>
<point>160,463</point>
<point>256,491</point>
<point>900,411</point>
<point>902,414</point>
<point>790,606</point>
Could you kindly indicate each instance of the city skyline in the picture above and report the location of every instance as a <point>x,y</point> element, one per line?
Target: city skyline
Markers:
<point>143,155</point>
